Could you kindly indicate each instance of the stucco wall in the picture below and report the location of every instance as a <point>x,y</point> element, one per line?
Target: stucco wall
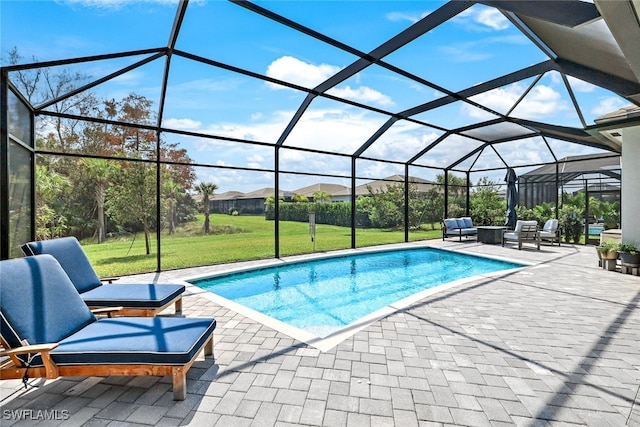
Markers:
<point>631,185</point>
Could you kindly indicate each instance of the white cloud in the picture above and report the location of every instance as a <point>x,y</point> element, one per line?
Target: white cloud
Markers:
<point>492,18</point>
<point>541,101</point>
<point>363,94</point>
<point>482,19</point>
<point>607,105</point>
<point>580,85</point>
<point>256,116</point>
<point>404,16</point>
<point>182,124</point>
<point>292,70</point>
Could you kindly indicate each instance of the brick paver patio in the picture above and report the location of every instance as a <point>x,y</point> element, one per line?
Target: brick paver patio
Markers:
<point>556,344</point>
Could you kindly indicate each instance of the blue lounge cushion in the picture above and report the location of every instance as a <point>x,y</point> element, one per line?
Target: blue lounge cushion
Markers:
<point>135,340</point>
<point>71,256</point>
<point>460,222</point>
<point>74,261</point>
<point>38,302</point>
<point>147,295</point>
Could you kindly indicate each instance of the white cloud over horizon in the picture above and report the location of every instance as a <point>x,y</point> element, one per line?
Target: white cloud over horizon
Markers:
<point>293,70</point>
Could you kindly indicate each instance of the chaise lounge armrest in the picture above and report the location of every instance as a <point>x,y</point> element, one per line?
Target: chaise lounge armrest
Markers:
<point>43,350</point>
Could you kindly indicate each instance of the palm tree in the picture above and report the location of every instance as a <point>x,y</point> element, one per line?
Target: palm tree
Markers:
<point>206,189</point>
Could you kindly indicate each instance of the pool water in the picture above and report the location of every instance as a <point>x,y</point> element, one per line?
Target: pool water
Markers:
<point>321,296</point>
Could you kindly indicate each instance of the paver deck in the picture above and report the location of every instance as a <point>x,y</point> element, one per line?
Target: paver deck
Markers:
<point>557,343</point>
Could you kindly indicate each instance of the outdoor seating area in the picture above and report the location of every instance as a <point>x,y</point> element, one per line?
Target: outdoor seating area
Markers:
<point>498,361</point>
<point>48,331</point>
<point>228,213</point>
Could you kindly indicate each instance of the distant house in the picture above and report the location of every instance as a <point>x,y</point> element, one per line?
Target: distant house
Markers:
<point>253,203</point>
<point>245,203</point>
<point>422,187</point>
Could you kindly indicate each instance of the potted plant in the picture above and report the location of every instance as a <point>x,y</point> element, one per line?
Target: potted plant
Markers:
<point>629,253</point>
<point>607,250</point>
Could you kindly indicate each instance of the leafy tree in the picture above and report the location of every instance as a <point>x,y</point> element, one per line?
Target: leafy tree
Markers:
<point>433,210</point>
<point>487,207</point>
<point>206,189</point>
<point>299,198</point>
<point>457,192</point>
<point>100,172</point>
<point>51,188</point>
<point>131,198</point>
<point>321,197</point>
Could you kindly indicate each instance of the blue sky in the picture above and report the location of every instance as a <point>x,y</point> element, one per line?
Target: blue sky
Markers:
<point>476,46</point>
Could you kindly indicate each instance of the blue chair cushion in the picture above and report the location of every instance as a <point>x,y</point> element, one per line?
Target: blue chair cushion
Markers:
<point>460,222</point>
<point>468,223</point>
<point>71,256</point>
<point>38,302</point>
<point>135,340</point>
<point>450,223</point>
<point>148,295</point>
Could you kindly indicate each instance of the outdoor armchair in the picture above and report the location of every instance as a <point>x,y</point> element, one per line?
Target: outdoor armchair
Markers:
<point>524,232</point>
<point>48,331</point>
<point>136,299</point>
<point>551,231</point>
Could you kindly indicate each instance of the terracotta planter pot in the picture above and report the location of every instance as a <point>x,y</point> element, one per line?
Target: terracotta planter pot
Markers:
<point>607,254</point>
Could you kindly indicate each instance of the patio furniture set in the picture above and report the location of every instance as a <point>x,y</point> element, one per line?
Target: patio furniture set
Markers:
<point>523,232</point>
<point>59,319</point>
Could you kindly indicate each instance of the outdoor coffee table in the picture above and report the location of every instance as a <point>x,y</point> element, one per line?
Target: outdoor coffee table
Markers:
<point>490,233</point>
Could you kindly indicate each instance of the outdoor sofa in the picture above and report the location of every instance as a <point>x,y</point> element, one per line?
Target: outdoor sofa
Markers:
<point>136,299</point>
<point>524,232</point>
<point>47,331</point>
<point>458,227</point>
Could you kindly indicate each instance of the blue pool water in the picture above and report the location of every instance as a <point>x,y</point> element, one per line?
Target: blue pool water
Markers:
<point>327,294</point>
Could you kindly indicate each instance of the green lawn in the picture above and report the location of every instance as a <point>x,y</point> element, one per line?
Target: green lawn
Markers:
<point>236,238</point>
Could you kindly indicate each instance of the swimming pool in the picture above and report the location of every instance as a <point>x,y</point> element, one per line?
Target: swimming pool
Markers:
<point>323,296</point>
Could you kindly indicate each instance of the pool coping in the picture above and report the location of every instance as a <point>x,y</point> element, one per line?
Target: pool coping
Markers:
<point>328,342</point>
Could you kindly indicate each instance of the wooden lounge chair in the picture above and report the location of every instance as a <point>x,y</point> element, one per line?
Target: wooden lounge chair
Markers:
<point>48,331</point>
<point>524,232</point>
<point>136,299</point>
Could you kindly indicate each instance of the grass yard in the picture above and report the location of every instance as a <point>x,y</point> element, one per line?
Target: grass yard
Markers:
<point>233,238</point>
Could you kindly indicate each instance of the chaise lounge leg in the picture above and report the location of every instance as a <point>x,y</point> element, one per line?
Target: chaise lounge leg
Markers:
<point>208,347</point>
<point>179,383</point>
<point>179,306</point>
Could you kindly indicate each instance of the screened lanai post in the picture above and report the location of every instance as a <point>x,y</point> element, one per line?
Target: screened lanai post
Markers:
<point>446,193</point>
<point>557,184</point>
<point>353,202</point>
<point>276,205</point>
<point>406,203</point>
<point>468,196</point>
<point>4,168</point>
<point>158,203</point>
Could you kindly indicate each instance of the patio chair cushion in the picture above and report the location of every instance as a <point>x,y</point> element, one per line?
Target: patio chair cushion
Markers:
<point>551,226</point>
<point>451,223</point>
<point>32,311</point>
<point>468,223</point>
<point>71,256</point>
<point>135,340</point>
<point>132,295</point>
<point>520,223</point>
